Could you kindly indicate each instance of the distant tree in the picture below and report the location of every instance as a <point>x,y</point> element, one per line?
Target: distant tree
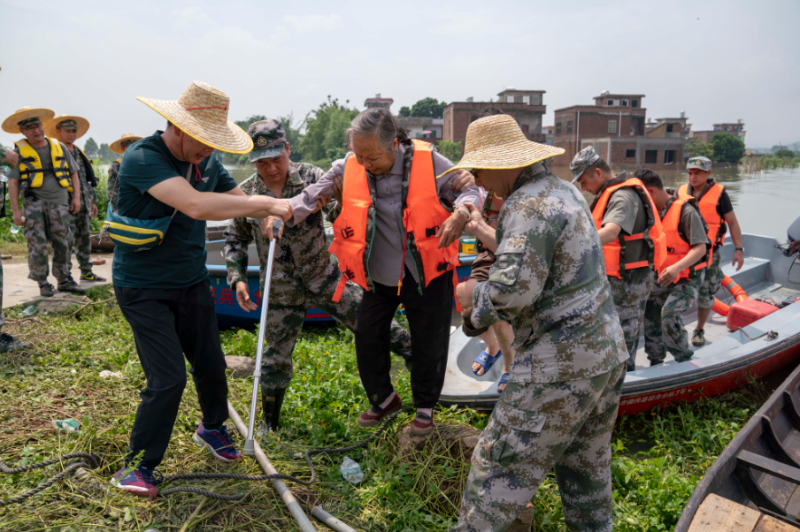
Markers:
<point>727,148</point>
<point>106,155</point>
<point>325,127</point>
<point>404,111</point>
<point>293,137</point>
<point>452,150</point>
<point>698,148</point>
<point>428,107</point>
<point>90,148</point>
<point>784,153</point>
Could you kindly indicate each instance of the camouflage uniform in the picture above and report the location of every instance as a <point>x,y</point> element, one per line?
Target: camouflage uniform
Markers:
<point>304,275</point>
<point>112,189</point>
<point>561,401</point>
<point>712,282</point>
<point>47,223</point>
<point>631,291</point>
<point>664,329</point>
<point>81,223</point>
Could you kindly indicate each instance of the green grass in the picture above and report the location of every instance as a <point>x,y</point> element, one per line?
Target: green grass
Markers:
<point>59,379</point>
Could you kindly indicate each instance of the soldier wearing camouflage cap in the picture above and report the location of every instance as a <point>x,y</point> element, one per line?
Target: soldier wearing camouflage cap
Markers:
<point>717,210</point>
<point>304,274</point>
<point>549,282</point>
<point>68,129</point>
<point>625,216</point>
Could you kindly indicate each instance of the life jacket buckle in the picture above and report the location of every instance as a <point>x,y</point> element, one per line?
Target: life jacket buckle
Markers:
<point>443,266</point>
<point>431,231</point>
<point>347,232</point>
<point>349,274</point>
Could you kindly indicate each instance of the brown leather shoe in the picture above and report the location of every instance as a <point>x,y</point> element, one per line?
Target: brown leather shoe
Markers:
<point>373,416</point>
<point>422,424</point>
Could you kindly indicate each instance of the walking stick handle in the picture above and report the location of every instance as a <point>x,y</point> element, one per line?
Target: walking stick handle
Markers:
<point>276,227</point>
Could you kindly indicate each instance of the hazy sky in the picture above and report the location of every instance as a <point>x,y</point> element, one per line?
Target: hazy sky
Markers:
<point>718,61</point>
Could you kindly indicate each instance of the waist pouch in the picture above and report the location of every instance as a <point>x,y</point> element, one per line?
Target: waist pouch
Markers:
<point>133,234</point>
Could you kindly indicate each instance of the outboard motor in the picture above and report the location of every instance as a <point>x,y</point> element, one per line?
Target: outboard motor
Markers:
<point>792,247</point>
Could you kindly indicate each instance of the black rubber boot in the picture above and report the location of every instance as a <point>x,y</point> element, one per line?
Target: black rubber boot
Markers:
<point>271,402</point>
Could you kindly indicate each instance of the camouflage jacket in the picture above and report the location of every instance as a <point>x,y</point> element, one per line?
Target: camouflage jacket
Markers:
<point>112,188</point>
<point>549,282</point>
<point>300,255</point>
<point>87,191</point>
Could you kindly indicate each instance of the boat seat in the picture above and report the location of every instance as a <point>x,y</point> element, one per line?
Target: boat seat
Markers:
<point>746,462</point>
<point>754,272</point>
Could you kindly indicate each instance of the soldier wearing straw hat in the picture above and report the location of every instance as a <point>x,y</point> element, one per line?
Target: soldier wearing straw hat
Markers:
<point>164,291</point>
<point>549,282</point>
<point>46,175</point>
<point>68,129</point>
<point>118,146</point>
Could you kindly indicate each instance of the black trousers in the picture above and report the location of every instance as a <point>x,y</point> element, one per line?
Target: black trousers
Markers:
<point>168,324</point>
<point>429,320</point>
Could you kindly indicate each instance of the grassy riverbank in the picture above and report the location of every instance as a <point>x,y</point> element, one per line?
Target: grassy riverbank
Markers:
<point>59,379</point>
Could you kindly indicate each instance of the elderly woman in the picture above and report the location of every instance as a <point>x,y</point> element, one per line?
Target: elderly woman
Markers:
<point>396,235</point>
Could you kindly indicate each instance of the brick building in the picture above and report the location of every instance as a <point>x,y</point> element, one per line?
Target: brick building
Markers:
<point>526,106</point>
<point>378,102</point>
<point>615,126</point>
<point>735,129</point>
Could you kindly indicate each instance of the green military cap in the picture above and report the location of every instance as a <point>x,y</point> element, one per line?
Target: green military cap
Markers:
<point>269,139</point>
<point>701,163</point>
<point>583,160</point>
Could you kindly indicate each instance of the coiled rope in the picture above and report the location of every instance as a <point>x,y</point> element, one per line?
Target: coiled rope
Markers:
<point>92,461</point>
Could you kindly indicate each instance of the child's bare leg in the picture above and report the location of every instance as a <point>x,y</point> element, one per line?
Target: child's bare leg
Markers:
<point>492,347</point>
<point>504,334</point>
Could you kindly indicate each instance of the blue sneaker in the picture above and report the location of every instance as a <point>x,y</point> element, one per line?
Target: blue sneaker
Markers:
<point>139,481</point>
<point>218,442</point>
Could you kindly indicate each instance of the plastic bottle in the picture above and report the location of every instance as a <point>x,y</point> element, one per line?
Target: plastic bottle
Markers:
<point>30,311</point>
<point>5,171</point>
<point>70,425</point>
<point>15,228</point>
<point>351,471</point>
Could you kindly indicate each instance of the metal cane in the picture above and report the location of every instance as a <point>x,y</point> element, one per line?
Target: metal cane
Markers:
<point>249,444</point>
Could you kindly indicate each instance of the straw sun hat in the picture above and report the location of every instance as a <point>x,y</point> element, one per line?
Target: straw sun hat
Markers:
<point>116,146</point>
<point>202,113</point>
<point>51,128</point>
<point>497,143</point>
<point>10,124</point>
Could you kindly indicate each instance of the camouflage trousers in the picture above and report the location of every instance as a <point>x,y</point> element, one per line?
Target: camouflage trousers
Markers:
<point>2,316</point>
<point>664,329</point>
<point>535,427</point>
<point>285,322</point>
<point>80,226</point>
<point>46,223</point>
<point>712,281</point>
<point>630,296</point>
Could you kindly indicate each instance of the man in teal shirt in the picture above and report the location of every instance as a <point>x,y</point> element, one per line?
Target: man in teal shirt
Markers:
<point>164,292</point>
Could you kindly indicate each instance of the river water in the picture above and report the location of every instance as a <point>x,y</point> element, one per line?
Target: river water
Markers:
<point>765,202</point>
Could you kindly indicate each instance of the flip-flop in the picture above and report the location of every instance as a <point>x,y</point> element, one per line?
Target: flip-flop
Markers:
<point>487,361</point>
<point>503,380</point>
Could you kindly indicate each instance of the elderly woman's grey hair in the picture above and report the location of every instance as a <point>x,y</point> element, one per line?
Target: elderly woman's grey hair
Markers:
<point>378,123</point>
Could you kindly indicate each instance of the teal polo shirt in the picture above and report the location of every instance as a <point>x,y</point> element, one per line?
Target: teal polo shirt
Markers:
<point>180,260</point>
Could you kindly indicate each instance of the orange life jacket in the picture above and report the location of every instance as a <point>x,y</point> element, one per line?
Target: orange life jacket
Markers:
<point>422,217</point>
<point>677,247</point>
<point>653,234</point>
<point>707,205</point>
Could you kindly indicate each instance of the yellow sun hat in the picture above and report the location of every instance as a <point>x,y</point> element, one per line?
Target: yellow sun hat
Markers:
<point>202,113</point>
<point>116,146</point>
<point>66,121</point>
<point>24,114</point>
<point>497,143</point>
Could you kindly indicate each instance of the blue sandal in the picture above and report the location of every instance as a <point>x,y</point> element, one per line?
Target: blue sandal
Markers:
<point>487,361</point>
<point>503,380</point>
